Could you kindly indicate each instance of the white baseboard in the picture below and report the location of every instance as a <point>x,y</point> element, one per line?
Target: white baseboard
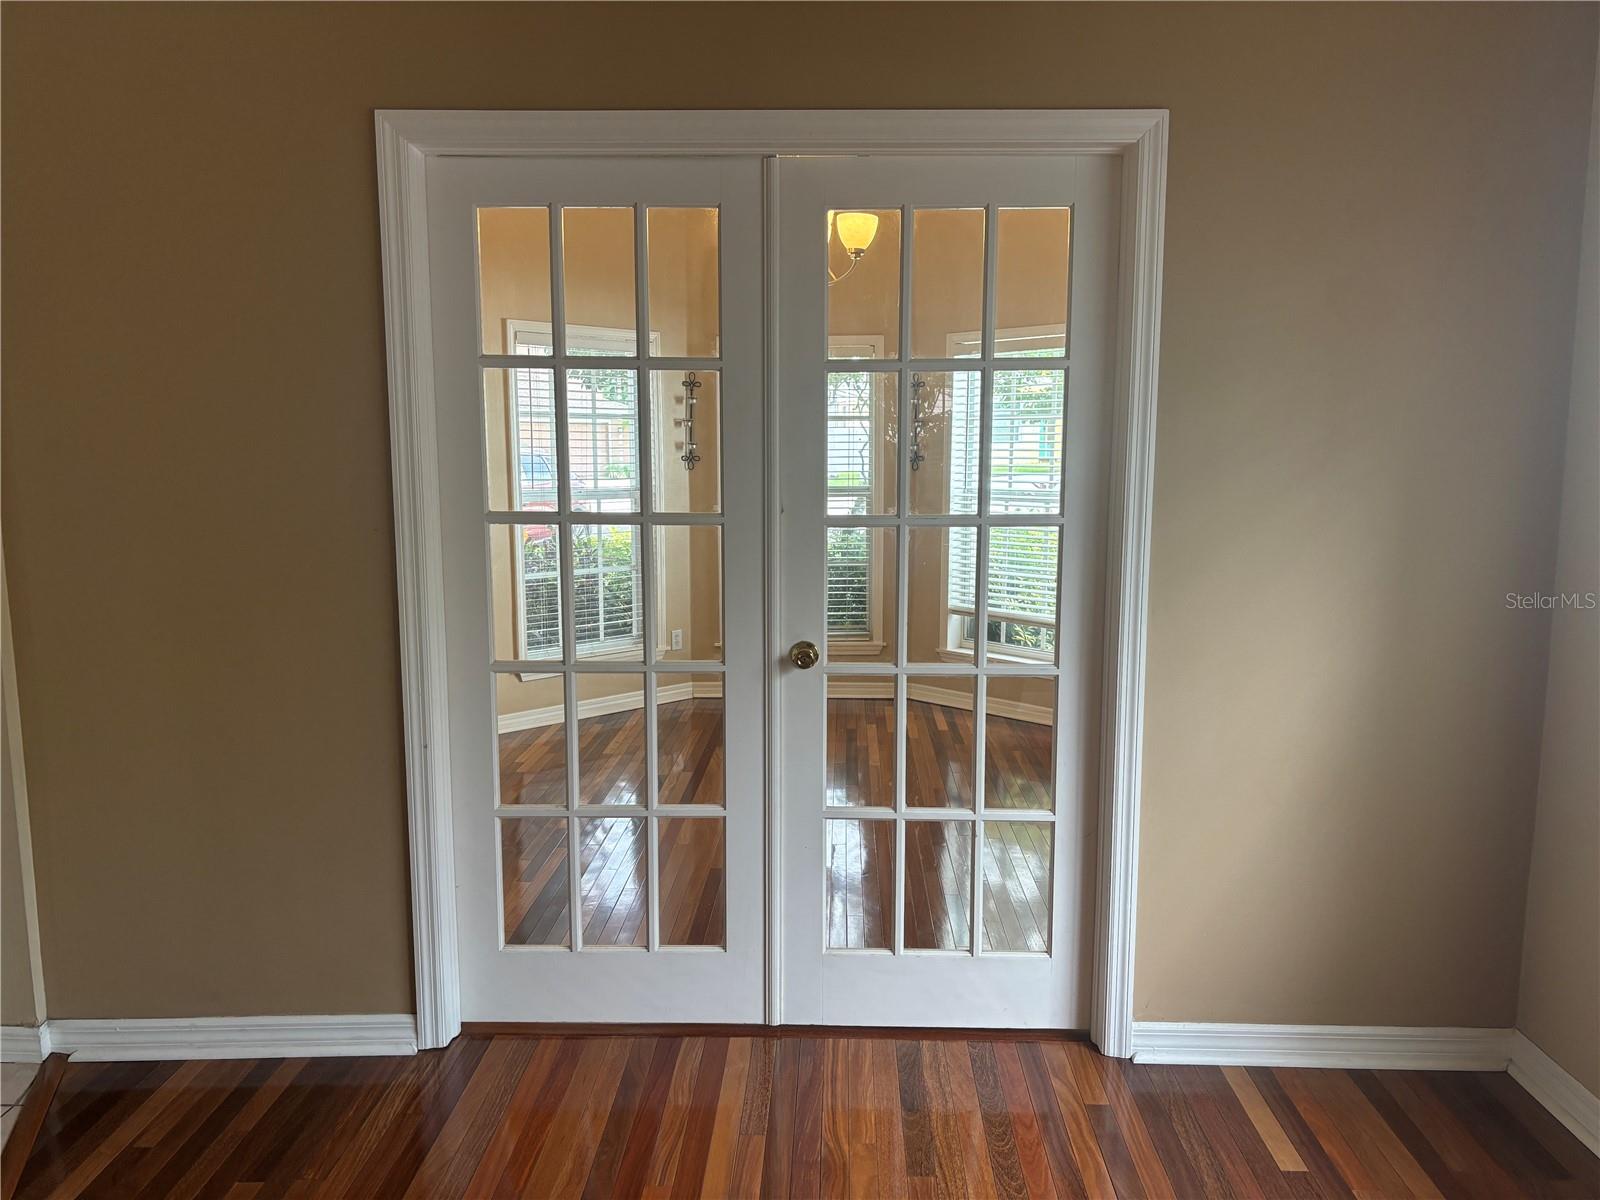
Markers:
<point>600,706</point>
<point>234,1037</point>
<point>24,1043</point>
<point>1549,1083</point>
<point>871,689</point>
<point>1402,1048</point>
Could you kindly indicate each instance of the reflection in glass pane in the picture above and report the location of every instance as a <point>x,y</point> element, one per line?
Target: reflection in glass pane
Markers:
<point>603,440</point>
<point>940,590</point>
<point>533,877</point>
<point>947,282</point>
<point>689,739</point>
<point>525,586</point>
<point>519,422</point>
<point>606,603</point>
<point>530,713</point>
<point>938,885</point>
<point>597,265</point>
<point>939,742</point>
<point>684,286</point>
<point>863,436</point>
<point>1025,454</point>
<point>1016,886</point>
<point>946,424</point>
<point>1018,742</point>
<point>610,739</point>
<point>863,255</point>
<point>688,566</point>
<point>614,884</point>
<point>1031,288</point>
<point>1021,582</point>
<point>861,602</point>
<point>860,740</point>
<point>686,426</point>
<point>860,884</point>
<point>514,279</point>
<point>693,890</point>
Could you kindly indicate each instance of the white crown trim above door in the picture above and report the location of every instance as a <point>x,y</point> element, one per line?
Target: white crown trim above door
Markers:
<point>406,139</point>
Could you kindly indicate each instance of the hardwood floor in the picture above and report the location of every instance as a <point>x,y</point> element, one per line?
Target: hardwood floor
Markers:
<point>859,872</point>
<point>800,1116</point>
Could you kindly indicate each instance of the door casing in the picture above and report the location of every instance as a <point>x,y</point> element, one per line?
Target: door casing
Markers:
<point>407,138</point>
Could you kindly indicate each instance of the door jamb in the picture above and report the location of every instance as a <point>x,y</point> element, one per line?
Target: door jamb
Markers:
<point>407,138</point>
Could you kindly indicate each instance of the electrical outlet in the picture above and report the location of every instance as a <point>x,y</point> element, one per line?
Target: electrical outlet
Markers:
<point>677,639</point>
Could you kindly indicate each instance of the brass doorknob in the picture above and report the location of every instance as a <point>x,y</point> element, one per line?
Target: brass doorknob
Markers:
<point>804,655</point>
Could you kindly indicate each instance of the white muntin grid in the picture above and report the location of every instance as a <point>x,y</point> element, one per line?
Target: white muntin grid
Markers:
<point>980,669</point>
<point>568,665</point>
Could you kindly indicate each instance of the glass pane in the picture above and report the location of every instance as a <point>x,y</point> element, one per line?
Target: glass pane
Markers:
<point>863,437</point>
<point>939,743</point>
<point>947,282</point>
<point>939,587</point>
<point>514,279</point>
<point>689,740</point>
<point>864,284</point>
<point>525,584</point>
<point>861,601</point>
<point>1025,453</point>
<point>519,428</point>
<point>1031,288</point>
<point>533,879</point>
<point>860,887</point>
<point>1021,582</point>
<point>693,892</point>
<point>946,425</point>
<point>603,440</point>
<point>610,739</point>
<point>614,881</point>
<point>606,602</point>
<point>1016,886</point>
<point>684,286</point>
<point>530,716</point>
<point>686,427</point>
<point>938,885</point>
<point>1018,742</point>
<point>860,740</point>
<point>597,264</point>
<point>688,566</point>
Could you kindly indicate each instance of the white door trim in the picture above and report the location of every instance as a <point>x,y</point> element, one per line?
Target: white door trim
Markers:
<point>407,138</point>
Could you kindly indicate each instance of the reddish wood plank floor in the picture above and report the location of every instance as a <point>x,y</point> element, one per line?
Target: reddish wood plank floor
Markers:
<point>790,1116</point>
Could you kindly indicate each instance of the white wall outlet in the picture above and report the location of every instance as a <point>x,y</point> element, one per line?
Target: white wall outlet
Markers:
<point>677,639</point>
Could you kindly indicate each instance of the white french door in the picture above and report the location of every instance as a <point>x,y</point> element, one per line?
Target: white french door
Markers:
<point>597,362</point>
<point>945,396</point>
<point>943,404</point>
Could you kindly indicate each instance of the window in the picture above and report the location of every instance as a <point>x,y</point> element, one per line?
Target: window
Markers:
<point>1024,477</point>
<point>603,453</point>
<point>852,479</point>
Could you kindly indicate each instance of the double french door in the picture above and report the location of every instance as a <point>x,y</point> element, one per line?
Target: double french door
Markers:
<point>620,667</point>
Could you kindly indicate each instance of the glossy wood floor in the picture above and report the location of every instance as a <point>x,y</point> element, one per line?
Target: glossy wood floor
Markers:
<point>801,1117</point>
<point>860,865</point>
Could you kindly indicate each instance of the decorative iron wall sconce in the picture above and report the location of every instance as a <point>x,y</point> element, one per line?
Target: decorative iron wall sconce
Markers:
<point>691,452</point>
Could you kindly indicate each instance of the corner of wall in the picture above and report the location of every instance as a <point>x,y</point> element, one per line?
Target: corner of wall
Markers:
<point>1558,1003</point>
<point>22,998</point>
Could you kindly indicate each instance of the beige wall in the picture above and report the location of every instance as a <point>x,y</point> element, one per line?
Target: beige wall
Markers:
<point>1559,1005</point>
<point>1367,323</point>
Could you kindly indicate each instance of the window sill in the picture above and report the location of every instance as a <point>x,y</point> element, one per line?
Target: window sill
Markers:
<point>838,649</point>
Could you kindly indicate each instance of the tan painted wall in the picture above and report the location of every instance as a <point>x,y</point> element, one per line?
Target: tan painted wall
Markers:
<point>1559,1005</point>
<point>1368,312</point>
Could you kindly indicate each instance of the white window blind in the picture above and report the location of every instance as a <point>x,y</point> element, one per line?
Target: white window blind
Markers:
<point>852,478</point>
<point>1024,477</point>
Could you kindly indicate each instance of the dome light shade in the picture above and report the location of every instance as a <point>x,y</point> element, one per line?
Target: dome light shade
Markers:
<point>856,230</point>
